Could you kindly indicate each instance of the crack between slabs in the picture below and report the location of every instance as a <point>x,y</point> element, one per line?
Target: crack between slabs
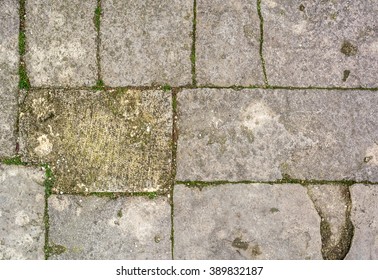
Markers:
<point>262,42</point>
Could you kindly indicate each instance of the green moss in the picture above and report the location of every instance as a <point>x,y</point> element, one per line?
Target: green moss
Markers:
<point>24,82</point>
<point>49,180</point>
<point>166,87</point>
<point>14,161</point>
<point>22,43</point>
<point>55,249</point>
<point>99,85</point>
<point>152,195</point>
<point>97,16</point>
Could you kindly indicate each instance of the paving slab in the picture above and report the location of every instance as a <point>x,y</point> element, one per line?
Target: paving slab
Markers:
<point>266,135</point>
<point>321,43</point>
<point>104,228</point>
<point>333,204</point>
<point>245,221</point>
<point>227,43</point>
<point>113,141</point>
<point>9,59</point>
<point>365,221</point>
<point>22,205</point>
<point>146,42</point>
<point>61,43</point>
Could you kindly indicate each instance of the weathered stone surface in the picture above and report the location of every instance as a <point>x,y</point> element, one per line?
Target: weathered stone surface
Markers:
<point>22,204</point>
<point>9,27</point>
<point>321,43</point>
<point>61,47</point>
<point>100,141</point>
<point>227,43</point>
<point>365,221</point>
<point>255,221</point>
<point>146,42</point>
<point>104,228</point>
<point>333,205</point>
<point>265,134</point>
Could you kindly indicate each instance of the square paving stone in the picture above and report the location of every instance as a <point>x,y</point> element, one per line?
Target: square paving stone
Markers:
<point>266,135</point>
<point>117,140</point>
<point>9,27</point>
<point>365,221</point>
<point>321,43</point>
<point>146,42</point>
<point>61,42</point>
<point>104,228</point>
<point>22,205</point>
<point>245,221</point>
<point>227,43</point>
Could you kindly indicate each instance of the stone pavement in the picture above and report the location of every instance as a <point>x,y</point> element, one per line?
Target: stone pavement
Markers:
<point>188,129</point>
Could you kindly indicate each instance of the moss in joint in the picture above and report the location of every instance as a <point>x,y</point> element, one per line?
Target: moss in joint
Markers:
<point>24,82</point>
<point>13,161</point>
<point>166,87</point>
<point>97,16</point>
<point>99,85</point>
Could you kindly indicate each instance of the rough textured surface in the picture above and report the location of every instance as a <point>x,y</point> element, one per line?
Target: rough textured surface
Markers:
<point>146,42</point>
<point>9,26</point>
<point>22,230</point>
<point>266,134</point>
<point>254,221</point>
<point>103,228</point>
<point>321,43</point>
<point>100,141</point>
<point>365,220</point>
<point>228,40</point>
<point>61,47</point>
<point>333,205</point>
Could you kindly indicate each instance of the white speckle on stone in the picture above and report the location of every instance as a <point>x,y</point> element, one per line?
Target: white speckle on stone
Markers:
<point>45,146</point>
<point>22,218</point>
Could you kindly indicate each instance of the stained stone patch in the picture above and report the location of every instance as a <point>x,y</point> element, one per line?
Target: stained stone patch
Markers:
<point>323,43</point>
<point>333,205</point>
<point>104,228</point>
<point>9,27</point>
<point>118,140</point>
<point>22,204</point>
<point>245,221</point>
<point>61,42</point>
<point>266,135</point>
<point>227,43</point>
<point>365,220</point>
<point>146,42</point>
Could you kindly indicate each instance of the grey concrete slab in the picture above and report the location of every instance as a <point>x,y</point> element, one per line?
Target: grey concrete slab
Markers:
<point>245,221</point>
<point>333,205</point>
<point>227,43</point>
<point>146,42</point>
<point>22,204</point>
<point>104,228</point>
<point>321,43</point>
<point>60,40</point>
<point>365,221</point>
<point>264,135</point>
<point>9,28</point>
<point>117,140</point>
